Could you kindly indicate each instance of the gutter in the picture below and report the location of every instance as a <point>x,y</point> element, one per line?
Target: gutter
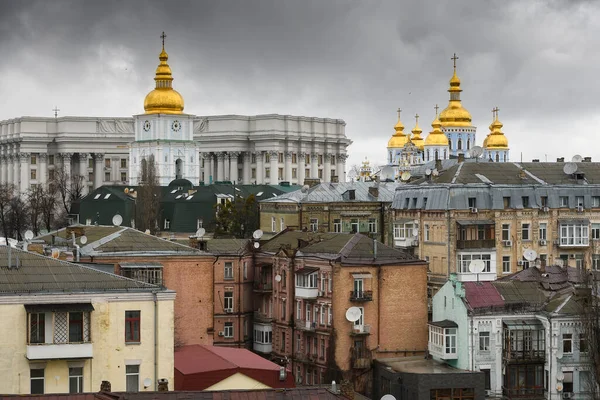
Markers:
<point>155,340</point>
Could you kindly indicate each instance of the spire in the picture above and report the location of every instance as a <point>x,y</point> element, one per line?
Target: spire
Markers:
<point>455,115</point>
<point>399,127</point>
<point>416,138</point>
<point>398,139</point>
<point>496,138</point>
<point>436,137</point>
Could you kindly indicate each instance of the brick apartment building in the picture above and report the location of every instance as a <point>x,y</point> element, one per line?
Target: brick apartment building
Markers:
<point>304,284</point>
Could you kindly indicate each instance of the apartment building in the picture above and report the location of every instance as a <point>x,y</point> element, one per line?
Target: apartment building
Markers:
<point>494,212</point>
<point>305,282</point>
<point>70,327</point>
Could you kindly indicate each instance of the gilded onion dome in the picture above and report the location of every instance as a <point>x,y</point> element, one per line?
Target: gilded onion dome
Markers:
<point>436,137</point>
<point>455,115</point>
<point>163,99</point>
<point>398,139</point>
<point>416,137</point>
<point>496,138</point>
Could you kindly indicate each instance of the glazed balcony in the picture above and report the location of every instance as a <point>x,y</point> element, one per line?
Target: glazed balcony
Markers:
<point>476,244</point>
<point>263,287</point>
<point>361,295</point>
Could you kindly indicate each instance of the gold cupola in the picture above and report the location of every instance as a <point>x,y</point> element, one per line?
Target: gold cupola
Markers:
<point>455,115</point>
<point>398,139</point>
<point>416,137</point>
<point>436,137</point>
<point>496,139</point>
<point>163,99</point>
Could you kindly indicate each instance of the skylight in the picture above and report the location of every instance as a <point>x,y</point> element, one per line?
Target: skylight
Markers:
<point>178,196</point>
<point>107,196</point>
<point>259,194</point>
<point>173,191</point>
<point>96,197</point>
<point>190,197</point>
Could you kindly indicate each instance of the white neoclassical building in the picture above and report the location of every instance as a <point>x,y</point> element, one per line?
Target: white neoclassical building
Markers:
<point>244,149</point>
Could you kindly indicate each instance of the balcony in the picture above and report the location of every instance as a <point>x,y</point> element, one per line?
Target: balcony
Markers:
<point>306,325</point>
<point>361,295</point>
<point>361,357</point>
<point>476,244</point>
<point>263,287</point>
<point>45,351</point>
<point>358,330</point>
<point>442,339</point>
<point>262,317</point>
<point>307,293</point>
<point>265,348</point>
<point>527,393</point>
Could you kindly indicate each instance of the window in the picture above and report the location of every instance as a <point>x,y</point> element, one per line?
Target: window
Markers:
<point>253,173</point>
<point>359,287</point>
<point>33,174</point>
<point>51,159</point>
<point>596,231</point>
<point>322,315</point>
<point>306,281</point>
<point>148,274</point>
<point>283,278</point>
<point>199,223</point>
<point>123,163</point>
<point>245,268</point>
<point>51,174</point>
<point>484,341</point>
<point>132,378</point>
<point>579,201</point>
<point>450,340</point>
<point>123,176</point>
<point>372,225</point>
<point>283,310</point>
<point>314,224</point>
<point>76,327</point>
<point>505,231</point>
<point>487,378</point>
<point>298,310</point>
<point>337,225</point>
<point>322,348</point>
<point>267,172</point>
<point>294,173</point>
<point>228,331</point>
<point>282,344</point>
<point>525,231</point>
<point>563,201</point>
<point>107,162</point>
<point>228,270</point>
<point>228,301</point>
<point>574,234</point>
<point>568,382</point>
<point>543,230</point>
<point>583,347</point>
<point>465,259</point>
<point>567,339</point>
<point>595,201</point>
<point>76,380</point>
<point>263,337</point>
<point>472,202</point>
<point>506,202</point>
<point>354,225</point>
<point>424,203</point>
<point>329,316</point>
<point>132,326</point>
<point>91,162</point>
<point>167,224</point>
<point>281,224</point>
<point>361,320</point>
<point>596,262</point>
<point>426,231</point>
<point>403,231</point>
<point>37,328</point>
<point>280,173</point>
<point>273,225</point>
<point>37,380</point>
<point>506,264</point>
<point>525,201</point>
<point>307,313</point>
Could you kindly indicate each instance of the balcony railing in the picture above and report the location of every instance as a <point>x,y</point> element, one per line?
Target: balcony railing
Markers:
<point>262,317</point>
<point>361,330</point>
<point>361,295</point>
<point>476,244</point>
<point>306,325</point>
<point>361,357</point>
<point>516,356</point>
<point>263,287</point>
<point>516,393</point>
<point>440,352</point>
<point>307,293</point>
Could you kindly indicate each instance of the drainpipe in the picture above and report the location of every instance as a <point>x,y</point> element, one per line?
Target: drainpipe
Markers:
<point>240,314</point>
<point>472,348</point>
<point>449,244</point>
<point>378,305</point>
<point>155,340</point>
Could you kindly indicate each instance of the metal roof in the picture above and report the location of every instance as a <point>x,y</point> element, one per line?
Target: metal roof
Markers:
<point>339,192</point>
<point>444,324</point>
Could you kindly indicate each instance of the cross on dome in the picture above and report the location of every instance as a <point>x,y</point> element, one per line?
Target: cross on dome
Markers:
<point>163,36</point>
<point>399,111</point>
<point>454,58</point>
<point>436,109</point>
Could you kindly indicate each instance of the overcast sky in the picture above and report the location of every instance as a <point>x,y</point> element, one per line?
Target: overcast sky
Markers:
<point>538,61</point>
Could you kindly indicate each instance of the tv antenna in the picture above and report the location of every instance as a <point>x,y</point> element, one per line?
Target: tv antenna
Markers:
<point>353,314</point>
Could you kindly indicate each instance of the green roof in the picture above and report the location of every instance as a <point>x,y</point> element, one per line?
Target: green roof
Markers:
<point>35,273</point>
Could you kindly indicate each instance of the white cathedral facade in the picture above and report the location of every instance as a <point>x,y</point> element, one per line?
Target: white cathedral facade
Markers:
<point>261,149</point>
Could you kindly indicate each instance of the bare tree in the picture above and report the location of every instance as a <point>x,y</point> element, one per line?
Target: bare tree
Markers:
<point>7,192</point>
<point>148,197</point>
<point>48,206</point>
<point>18,217</point>
<point>69,188</point>
<point>590,322</point>
<point>353,173</point>
<point>35,198</point>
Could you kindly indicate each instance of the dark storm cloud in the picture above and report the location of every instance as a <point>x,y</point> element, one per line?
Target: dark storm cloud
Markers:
<point>354,60</point>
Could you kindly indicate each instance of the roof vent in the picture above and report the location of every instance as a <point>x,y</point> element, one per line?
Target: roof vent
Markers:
<point>535,160</point>
<point>560,159</point>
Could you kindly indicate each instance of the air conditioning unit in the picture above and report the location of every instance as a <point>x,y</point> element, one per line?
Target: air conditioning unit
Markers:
<point>507,243</point>
<point>488,393</point>
<point>520,262</point>
<point>473,210</point>
<point>221,333</point>
<point>567,395</point>
<point>415,243</point>
<point>572,256</point>
<point>546,209</point>
<point>556,241</point>
<point>579,209</point>
<point>228,310</point>
<point>321,293</point>
<point>542,242</point>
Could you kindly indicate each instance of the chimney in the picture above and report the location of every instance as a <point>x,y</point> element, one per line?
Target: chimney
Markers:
<point>461,157</point>
<point>105,386</point>
<point>312,181</point>
<point>535,160</point>
<point>438,164</point>
<point>543,266</point>
<point>374,191</point>
<point>587,159</point>
<point>163,385</point>
<point>335,179</point>
<point>560,159</point>
<point>347,389</point>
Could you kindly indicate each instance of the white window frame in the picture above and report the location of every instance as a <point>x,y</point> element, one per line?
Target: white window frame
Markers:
<point>526,228</point>
<point>41,378</point>
<point>322,315</point>
<point>228,270</point>
<point>505,229</point>
<point>372,225</point>
<point>361,320</point>
<point>337,225</point>
<point>595,201</point>
<point>167,224</point>
<point>298,310</point>
<point>563,201</point>
<point>273,225</point>
<point>465,259</point>
<point>281,224</point>
<point>506,263</point>
<point>228,330</point>
<point>596,262</point>
<point>579,201</point>
<point>329,315</point>
<point>426,233</point>
<point>543,230</point>
<point>567,337</point>
<point>77,379</point>
<point>314,224</point>
<point>135,374</point>
<point>595,231</point>
<point>403,230</point>
<point>574,234</point>
<point>228,300</point>
<point>484,341</point>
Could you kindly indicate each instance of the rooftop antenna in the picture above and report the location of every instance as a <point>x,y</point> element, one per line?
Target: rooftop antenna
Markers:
<point>476,267</point>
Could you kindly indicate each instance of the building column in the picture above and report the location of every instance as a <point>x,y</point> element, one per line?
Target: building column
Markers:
<point>301,168</point>
<point>341,167</point>
<point>66,159</point>
<point>327,167</point>
<point>98,170</point>
<point>274,167</point>
<point>260,168</point>
<point>43,170</point>
<point>220,167</point>
<point>83,172</point>
<point>233,166</point>
<point>246,169</point>
<point>9,169</point>
<point>24,160</point>
<point>16,175</point>
<point>288,166</point>
<point>314,165</point>
<point>210,169</point>
<point>3,169</point>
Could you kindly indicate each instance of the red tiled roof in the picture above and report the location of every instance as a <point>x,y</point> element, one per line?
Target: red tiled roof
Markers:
<point>198,358</point>
<point>482,294</point>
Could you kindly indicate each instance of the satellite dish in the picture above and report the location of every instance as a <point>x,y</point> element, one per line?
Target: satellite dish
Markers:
<point>83,239</point>
<point>200,232</point>
<point>570,168</point>
<point>117,220</point>
<point>353,314</point>
<point>405,176</point>
<point>277,278</point>
<point>427,172</point>
<point>559,386</point>
<point>560,376</point>
<point>387,174</point>
<point>415,232</point>
<point>388,397</point>
<point>305,188</point>
<point>476,151</point>
<point>147,231</point>
<point>529,254</point>
<point>435,172</point>
<point>476,266</point>
<point>256,245</point>
<point>28,235</point>
<point>55,253</point>
<point>147,382</point>
<point>257,234</point>
<point>126,190</point>
<point>577,158</point>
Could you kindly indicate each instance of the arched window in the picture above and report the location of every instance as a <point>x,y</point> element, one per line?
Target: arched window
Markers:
<point>504,157</point>
<point>497,157</point>
<point>445,156</point>
<point>459,147</point>
<point>450,144</point>
<point>178,169</point>
<point>436,155</point>
<point>427,154</point>
<point>468,144</point>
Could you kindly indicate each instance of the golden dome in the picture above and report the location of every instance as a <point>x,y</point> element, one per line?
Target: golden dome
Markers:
<point>163,99</point>
<point>436,137</point>
<point>496,139</point>
<point>455,115</point>
<point>416,138</point>
<point>398,139</point>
